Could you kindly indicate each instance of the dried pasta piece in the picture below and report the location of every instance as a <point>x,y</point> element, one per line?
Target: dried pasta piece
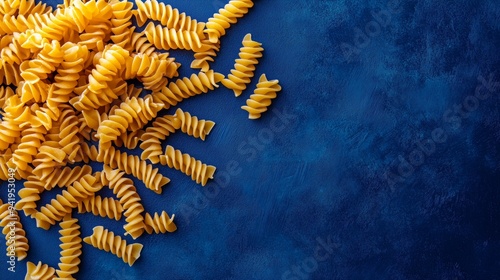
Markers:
<point>133,114</point>
<point>168,38</point>
<point>159,223</point>
<point>63,204</point>
<point>99,206</point>
<point>71,244</point>
<point>261,98</point>
<point>15,236</point>
<point>121,23</point>
<point>130,164</point>
<point>192,126</point>
<point>186,87</point>
<point>244,66</point>
<point>199,172</point>
<point>64,176</point>
<point>129,140</point>
<point>126,192</point>
<point>202,58</point>
<point>161,128</point>
<point>217,25</point>
<point>108,241</point>
<point>31,141</point>
<point>39,271</point>
<point>167,15</point>
<point>29,195</point>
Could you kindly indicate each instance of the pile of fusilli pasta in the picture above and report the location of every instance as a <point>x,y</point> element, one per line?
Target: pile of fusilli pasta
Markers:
<point>67,80</point>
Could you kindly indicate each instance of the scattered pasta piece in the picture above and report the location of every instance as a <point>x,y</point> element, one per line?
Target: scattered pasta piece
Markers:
<point>159,223</point>
<point>71,244</point>
<point>15,236</point>
<point>192,126</point>
<point>199,172</point>
<point>244,66</point>
<point>261,98</point>
<point>39,271</point>
<point>107,240</point>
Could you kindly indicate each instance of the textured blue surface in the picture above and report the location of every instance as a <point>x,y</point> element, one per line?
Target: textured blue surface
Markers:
<point>338,171</point>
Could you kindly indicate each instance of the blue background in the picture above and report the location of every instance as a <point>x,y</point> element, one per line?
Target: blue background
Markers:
<point>322,176</point>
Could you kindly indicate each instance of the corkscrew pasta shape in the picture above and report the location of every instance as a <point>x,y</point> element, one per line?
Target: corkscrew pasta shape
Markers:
<point>39,271</point>
<point>199,172</point>
<point>71,244</point>
<point>217,25</point>
<point>244,66</point>
<point>261,98</point>
<point>15,236</point>
<point>101,206</point>
<point>191,125</point>
<point>159,223</point>
<point>110,242</point>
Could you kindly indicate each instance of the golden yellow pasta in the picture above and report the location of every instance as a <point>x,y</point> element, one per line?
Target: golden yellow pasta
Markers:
<point>244,66</point>
<point>167,15</point>
<point>110,242</point>
<point>261,98</point>
<point>130,164</point>
<point>159,223</point>
<point>199,172</point>
<point>161,128</point>
<point>71,244</point>
<point>15,236</point>
<point>169,38</point>
<point>99,206</point>
<point>124,189</point>
<point>186,87</point>
<point>39,271</point>
<point>192,126</point>
<point>217,25</point>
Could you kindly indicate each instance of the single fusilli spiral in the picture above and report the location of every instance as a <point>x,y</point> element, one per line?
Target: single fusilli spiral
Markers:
<point>68,134</point>
<point>217,25</point>
<point>106,240</point>
<point>261,98</point>
<point>15,236</point>
<point>130,164</point>
<point>168,38</point>
<point>65,176</point>
<point>129,140</point>
<point>124,189</point>
<point>39,271</point>
<point>187,87</point>
<point>199,172</point>
<point>159,223</point>
<point>167,15</point>
<point>71,244</point>
<point>63,204</point>
<point>244,66</point>
<point>151,139</point>
<point>101,206</point>
<point>191,125</point>
<point>121,23</point>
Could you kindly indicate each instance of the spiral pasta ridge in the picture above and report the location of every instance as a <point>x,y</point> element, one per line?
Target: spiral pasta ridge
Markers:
<point>133,114</point>
<point>161,128</point>
<point>159,223</point>
<point>39,271</point>
<point>101,206</point>
<point>244,66</point>
<point>106,240</point>
<point>199,172</point>
<point>216,26</point>
<point>131,202</point>
<point>192,126</point>
<point>15,235</point>
<point>63,204</point>
<point>71,244</point>
<point>187,87</point>
<point>167,38</point>
<point>29,195</point>
<point>261,98</point>
<point>130,164</point>
<point>166,15</point>
<point>121,22</point>
<point>202,58</point>
<point>66,176</point>
<point>31,140</point>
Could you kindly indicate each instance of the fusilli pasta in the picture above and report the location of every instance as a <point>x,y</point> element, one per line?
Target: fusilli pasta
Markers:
<point>107,240</point>
<point>199,172</point>
<point>192,126</point>
<point>244,66</point>
<point>261,98</point>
